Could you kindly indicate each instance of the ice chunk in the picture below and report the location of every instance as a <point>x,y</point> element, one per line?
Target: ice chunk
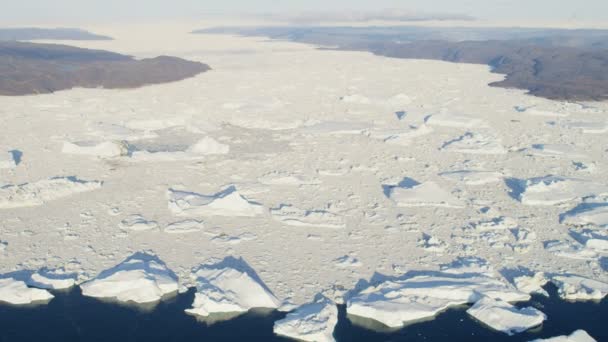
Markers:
<point>314,322</point>
<point>531,284</point>
<point>284,178</point>
<point>453,120</point>
<point>40,192</point>
<point>356,98</point>
<point>587,213</point>
<point>555,150</point>
<point>106,149</point>
<point>335,128</point>
<point>427,194</point>
<point>347,261</point>
<point>57,279</point>
<point>185,227</point>
<point>109,131</point>
<point>229,287</point>
<point>504,317</point>
<point>554,190</point>
<point>208,146</point>
<point>142,278</point>
<point>577,336</point>
<point>573,287</point>
<point>154,124</point>
<point>293,216</point>
<point>226,203</point>
<point>138,223</point>
<point>588,127</point>
<point>474,143</point>
<point>402,137</point>
<point>7,160</point>
<point>16,292</point>
<point>472,177</point>
<point>432,244</point>
<point>419,295</point>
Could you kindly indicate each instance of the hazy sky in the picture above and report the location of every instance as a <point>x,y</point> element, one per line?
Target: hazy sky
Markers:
<point>55,10</point>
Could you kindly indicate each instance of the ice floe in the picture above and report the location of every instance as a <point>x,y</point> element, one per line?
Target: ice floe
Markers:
<point>402,137</point>
<point>423,294</point>
<point>334,128</point>
<point>574,287</point>
<point>502,316</point>
<point>208,146</point>
<point>427,194</point>
<point>577,336</point>
<point>453,120</point>
<point>228,202</point>
<point>16,292</point>
<point>108,149</point>
<point>555,150</point>
<point>113,132</point>
<point>554,190</point>
<point>141,278</point>
<point>284,178</point>
<point>293,216</point>
<point>314,322</point>
<point>7,160</point>
<point>588,127</point>
<point>230,286</point>
<point>40,192</point>
<point>185,227</point>
<point>587,214</point>
<point>474,143</point>
<point>473,177</point>
<point>138,223</point>
<point>57,279</point>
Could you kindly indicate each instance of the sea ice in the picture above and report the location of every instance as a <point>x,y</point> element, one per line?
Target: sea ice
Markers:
<point>137,223</point>
<point>573,287</point>
<point>208,146</point>
<point>141,278</point>
<point>453,120</point>
<point>555,150</point>
<point>40,192</point>
<point>16,292</point>
<point>474,143</point>
<point>229,287</point>
<point>504,317</point>
<point>422,294</point>
<point>587,214</point>
<point>314,322</point>
<point>554,190</point>
<point>108,149</point>
<point>185,227</point>
<point>293,216</point>
<point>427,194</point>
<point>7,160</point>
<point>57,279</point>
<point>473,177</point>
<point>577,336</point>
<point>226,203</point>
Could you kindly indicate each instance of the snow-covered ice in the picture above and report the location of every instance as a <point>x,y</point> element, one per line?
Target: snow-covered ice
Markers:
<point>473,177</point>
<point>475,143</point>
<point>554,190</point>
<point>314,322</point>
<point>16,292</point>
<point>185,227</point>
<point>40,192</point>
<point>138,223</point>
<point>504,317</point>
<point>7,160</point>
<point>587,213</point>
<point>230,286</point>
<point>427,194</point>
<point>106,149</point>
<point>453,120</point>
<point>293,216</point>
<point>574,287</point>
<point>228,202</point>
<point>141,278</point>
<point>57,279</point>
<point>577,336</point>
<point>423,294</point>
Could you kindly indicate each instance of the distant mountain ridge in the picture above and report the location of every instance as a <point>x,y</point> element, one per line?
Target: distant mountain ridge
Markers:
<point>35,33</point>
<point>30,68</point>
<point>551,63</point>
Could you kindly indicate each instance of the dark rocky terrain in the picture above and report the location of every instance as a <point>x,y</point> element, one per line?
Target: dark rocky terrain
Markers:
<point>33,33</point>
<point>551,63</point>
<point>28,68</point>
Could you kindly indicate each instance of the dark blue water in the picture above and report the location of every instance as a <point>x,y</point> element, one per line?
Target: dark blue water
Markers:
<point>72,317</point>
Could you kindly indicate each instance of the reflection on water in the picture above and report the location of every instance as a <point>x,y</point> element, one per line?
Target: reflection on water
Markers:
<point>72,317</point>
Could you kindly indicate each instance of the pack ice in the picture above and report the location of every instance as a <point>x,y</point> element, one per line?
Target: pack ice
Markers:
<point>37,193</point>
<point>16,292</point>
<point>314,322</point>
<point>7,160</point>
<point>293,216</point>
<point>226,203</point>
<point>141,278</point>
<point>230,286</point>
<point>587,214</point>
<point>422,294</point>
<point>475,143</point>
<point>106,149</point>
